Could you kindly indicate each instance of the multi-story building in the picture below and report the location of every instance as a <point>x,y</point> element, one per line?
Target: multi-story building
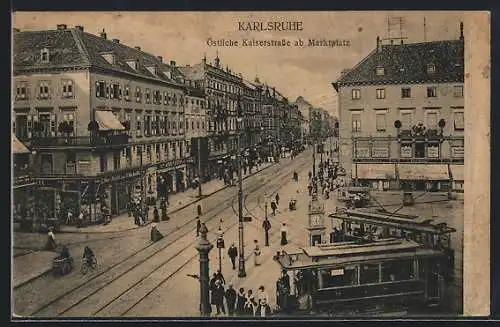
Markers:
<point>401,112</point>
<point>252,113</point>
<point>105,120</point>
<point>22,185</point>
<point>305,109</point>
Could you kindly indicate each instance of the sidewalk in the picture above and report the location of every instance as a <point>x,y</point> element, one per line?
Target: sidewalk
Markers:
<point>177,202</point>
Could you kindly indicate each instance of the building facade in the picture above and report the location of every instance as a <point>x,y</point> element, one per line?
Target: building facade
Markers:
<point>105,120</point>
<point>401,112</point>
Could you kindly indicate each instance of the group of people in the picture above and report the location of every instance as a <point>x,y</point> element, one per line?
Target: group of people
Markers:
<point>239,303</point>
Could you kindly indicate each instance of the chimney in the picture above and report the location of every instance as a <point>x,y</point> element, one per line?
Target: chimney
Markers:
<point>462,31</point>
<point>62,27</point>
<point>172,63</point>
<point>217,61</point>
<point>204,59</point>
<point>137,48</point>
<point>116,40</point>
<point>79,27</point>
<point>160,58</point>
<point>378,44</point>
<point>103,34</point>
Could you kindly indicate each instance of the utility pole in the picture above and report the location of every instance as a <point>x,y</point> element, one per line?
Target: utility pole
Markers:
<point>199,168</point>
<point>241,261</point>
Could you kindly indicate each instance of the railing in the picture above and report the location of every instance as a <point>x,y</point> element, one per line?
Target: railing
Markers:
<point>92,141</point>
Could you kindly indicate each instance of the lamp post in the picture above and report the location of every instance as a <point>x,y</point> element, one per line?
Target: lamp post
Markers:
<point>241,261</point>
<point>204,246</point>
<point>200,194</point>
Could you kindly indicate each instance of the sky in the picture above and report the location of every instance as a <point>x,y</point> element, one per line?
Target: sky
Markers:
<point>294,71</point>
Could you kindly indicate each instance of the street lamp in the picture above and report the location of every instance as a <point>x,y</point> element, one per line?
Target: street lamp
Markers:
<point>266,224</point>
<point>241,261</point>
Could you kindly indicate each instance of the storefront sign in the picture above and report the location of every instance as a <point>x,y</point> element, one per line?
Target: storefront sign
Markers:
<point>406,151</point>
<point>433,151</point>
<point>84,167</point>
<point>457,152</point>
<point>380,152</point>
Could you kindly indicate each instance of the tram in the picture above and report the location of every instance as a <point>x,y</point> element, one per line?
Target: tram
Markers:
<point>355,277</point>
<point>361,225</point>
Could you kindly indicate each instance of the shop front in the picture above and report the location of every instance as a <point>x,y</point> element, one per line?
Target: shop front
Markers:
<point>424,177</point>
<point>377,176</point>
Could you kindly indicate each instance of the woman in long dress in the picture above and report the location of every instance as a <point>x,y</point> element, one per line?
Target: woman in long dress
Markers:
<point>256,252</point>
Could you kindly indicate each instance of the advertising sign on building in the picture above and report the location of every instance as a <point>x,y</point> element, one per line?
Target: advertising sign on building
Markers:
<point>362,150</point>
<point>457,152</point>
<point>433,151</point>
<point>406,151</point>
<point>380,150</point>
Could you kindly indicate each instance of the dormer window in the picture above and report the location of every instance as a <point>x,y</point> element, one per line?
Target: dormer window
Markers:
<point>431,69</point>
<point>133,64</point>
<point>380,71</point>
<point>151,69</point>
<point>109,57</point>
<point>44,55</point>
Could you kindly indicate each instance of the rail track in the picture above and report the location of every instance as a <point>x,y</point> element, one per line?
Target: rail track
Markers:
<point>211,217</point>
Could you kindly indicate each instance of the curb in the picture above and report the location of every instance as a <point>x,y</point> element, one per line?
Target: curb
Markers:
<point>171,212</point>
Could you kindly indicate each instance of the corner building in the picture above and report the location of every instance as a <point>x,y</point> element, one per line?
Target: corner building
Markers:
<point>104,121</point>
<point>401,112</point>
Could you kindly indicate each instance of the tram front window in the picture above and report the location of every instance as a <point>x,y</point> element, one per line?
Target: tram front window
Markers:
<point>397,271</point>
<point>369,274</point>
<point>345,276</point>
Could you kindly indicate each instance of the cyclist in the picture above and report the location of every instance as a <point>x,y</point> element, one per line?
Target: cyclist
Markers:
<point>88,255</point>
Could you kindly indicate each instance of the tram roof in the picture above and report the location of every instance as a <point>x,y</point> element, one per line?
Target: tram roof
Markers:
<point>349,253</point>
<point>421,224</point>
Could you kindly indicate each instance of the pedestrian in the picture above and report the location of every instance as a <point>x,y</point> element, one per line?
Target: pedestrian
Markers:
<point>69,217</point>
<point>198,226</point>
<point>198,209</point>
<point>80,219</point>
<point>256,252</point>
<point>274,207</point>
<point>155,233</point>
<point>230,299</point>
<point>250,304</point>
<point>263,308</point>
<point>156,215</point>
<point>232,252</point>
<point>283,231</point>
<point>219,276</point>
<point>240,301</point>
<point>218,297</point>
<point>277,197</point>
<point>51,239</point>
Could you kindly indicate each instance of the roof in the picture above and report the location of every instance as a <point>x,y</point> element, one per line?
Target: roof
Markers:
<point>73,48</point>
<point>195,72</point>
<point>17,146</point>
<point>249,84</point>
<point>407,63</point>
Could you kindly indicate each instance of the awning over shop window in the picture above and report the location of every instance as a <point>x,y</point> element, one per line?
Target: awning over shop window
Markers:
<point>424,172</point>
<point>374,171</point>
<point>107,121</point>
<point>457,172</point>
<point>17,146</point>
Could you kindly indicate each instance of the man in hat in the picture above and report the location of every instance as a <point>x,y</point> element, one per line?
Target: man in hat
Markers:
<point>218,297</point>
<point>230,299</point>
<point>232,252</point>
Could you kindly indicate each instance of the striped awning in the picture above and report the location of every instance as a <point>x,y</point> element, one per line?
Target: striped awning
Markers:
<point>17,146</point>
<point>430,172</point>
<point>107,121</point>
<point>374,171</point>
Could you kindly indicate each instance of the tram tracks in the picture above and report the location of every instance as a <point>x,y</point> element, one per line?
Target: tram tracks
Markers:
<point>101,284</point>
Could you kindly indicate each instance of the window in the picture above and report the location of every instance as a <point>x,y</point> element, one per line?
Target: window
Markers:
<point>198,124</point>
<point>69,117</point>
<point>165,98</point>
<point>67,88</point>
<point>114,91</point>
<point>339,277</point>
<point>380,71</point>
<point>431,69</point>
<point>192,124</point>
<point>22,126</point>
<point>147,125</point>
<point>44,55</point>
<point>380,122</point>
<point>406,120</point>
<point>100,89</point>
<point>148,96</point>
<point>43,89</point>
<point>431,120</point>
<point>138,94</point>
<point>397,271</point>
<point>458,121</point>
<point>156,97</point>
<point>22,91</point>
<point>138,125</point>
<point>380,93</point>
<point>369,273</point>
<point>103,162</point>
<point>356,122</point>
<point>431,92</point>
<point>458,91</point>
<point>406,92</point>
<point>127,93</point>
<point>356,94</point>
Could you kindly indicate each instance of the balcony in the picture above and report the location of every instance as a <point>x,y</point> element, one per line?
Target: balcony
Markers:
<point>98,141</point>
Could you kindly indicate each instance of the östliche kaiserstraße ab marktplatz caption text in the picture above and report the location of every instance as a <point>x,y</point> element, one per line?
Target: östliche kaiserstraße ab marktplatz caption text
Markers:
<point>275,26</point>
<point>253,42</point>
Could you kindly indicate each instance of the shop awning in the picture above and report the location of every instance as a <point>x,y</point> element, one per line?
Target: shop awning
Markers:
<point>457,172</point>
<point>107,121</point>
<point>17,146</point>
<point>375,171</point>
<point>428,171</point>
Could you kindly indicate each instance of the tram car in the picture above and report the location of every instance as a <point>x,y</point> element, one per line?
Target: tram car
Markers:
<point>361,225</point>
<point>388,275</point>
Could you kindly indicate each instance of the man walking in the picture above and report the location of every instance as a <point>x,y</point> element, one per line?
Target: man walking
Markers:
<point>218,297</point>
<point>232,252</point>
<point>274,207</point>
<point>277,197</point>
<point>230,299</point>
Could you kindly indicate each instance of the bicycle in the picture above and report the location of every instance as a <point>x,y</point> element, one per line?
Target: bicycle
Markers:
<point>86,265</point>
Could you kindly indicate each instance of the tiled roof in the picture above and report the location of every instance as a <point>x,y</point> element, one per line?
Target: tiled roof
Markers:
<point>195,72</point>
<point>72,47</point>
<point>407,63</point>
